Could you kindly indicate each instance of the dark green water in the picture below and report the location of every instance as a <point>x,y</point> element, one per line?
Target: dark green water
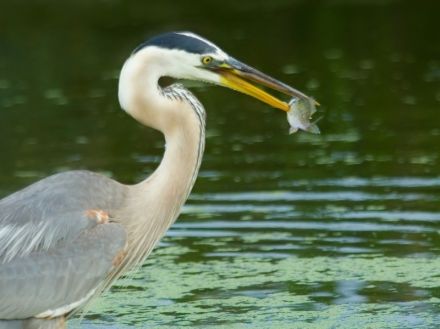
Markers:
<point>339,230</point>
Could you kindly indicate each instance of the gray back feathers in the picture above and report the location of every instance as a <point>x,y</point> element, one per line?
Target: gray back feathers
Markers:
<point>44,213</point>
<point>50,249</point>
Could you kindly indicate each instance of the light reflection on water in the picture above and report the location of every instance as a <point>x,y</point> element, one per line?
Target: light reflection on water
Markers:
<point>292,263</point>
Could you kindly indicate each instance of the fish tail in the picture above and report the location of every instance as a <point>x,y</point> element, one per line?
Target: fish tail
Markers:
<point>314,129</point>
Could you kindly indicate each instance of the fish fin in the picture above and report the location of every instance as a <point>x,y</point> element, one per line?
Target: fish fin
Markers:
<point>313,129</point>
<point>318,119</point>
<point>292,130</point>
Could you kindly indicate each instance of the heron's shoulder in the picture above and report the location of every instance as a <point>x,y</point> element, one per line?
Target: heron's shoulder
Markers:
<point>69,179</point>
<point>66,191</point>
<point>53,209</point>
<point>78,175</point>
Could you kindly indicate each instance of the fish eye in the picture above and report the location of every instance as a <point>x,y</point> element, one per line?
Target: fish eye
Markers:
<point>207,60</point>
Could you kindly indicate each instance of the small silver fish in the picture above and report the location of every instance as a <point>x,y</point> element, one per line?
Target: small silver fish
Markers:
<point>299,115</point>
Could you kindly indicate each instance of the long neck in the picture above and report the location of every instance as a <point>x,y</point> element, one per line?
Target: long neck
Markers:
<point>155,203</point>
<point>158,200</point>
<point>163,193</point>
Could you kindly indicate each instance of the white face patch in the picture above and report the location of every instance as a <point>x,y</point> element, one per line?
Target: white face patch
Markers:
<point>144,68</point>
<point>176,54</point>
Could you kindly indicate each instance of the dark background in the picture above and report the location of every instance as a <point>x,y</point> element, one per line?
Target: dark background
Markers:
<point>366,189</point>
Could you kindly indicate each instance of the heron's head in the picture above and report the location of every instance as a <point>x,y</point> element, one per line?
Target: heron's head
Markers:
<point>184,55</point>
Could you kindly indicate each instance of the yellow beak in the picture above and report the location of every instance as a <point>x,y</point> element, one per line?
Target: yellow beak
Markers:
<point>236,75</point>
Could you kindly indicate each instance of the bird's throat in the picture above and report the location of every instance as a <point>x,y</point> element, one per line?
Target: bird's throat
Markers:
<point>158,200</point>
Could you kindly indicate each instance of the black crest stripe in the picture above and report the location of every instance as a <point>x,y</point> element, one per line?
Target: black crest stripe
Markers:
<point>174,40</point>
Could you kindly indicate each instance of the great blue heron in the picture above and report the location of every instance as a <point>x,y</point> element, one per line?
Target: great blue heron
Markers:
<point>66,238</point>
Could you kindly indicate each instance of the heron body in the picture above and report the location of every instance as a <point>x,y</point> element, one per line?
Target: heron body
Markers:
<point>66,238</point>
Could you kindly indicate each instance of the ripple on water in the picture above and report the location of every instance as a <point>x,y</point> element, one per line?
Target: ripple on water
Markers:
<point>245,280</point>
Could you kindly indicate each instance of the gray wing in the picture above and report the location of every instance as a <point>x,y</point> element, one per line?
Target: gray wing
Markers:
<point>52,284</point>
<point>52,256</point>
<point>52,210</point>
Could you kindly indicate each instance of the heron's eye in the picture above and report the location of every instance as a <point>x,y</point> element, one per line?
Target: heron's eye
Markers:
<point>207,60</point>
